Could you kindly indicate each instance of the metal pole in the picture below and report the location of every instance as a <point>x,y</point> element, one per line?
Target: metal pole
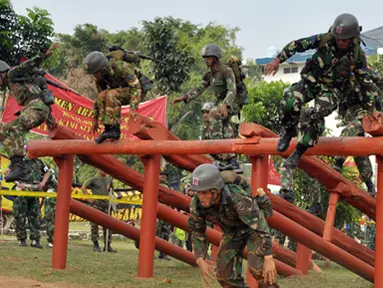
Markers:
<point>379,227</point>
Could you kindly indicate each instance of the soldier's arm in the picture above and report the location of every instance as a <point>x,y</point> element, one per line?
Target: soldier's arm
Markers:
<point>300,45</point>
<point>367,85</point>
<point>249,213</point>
<point>195,93</point>
<point>26,66</point>
<point>197,225</point>
<point>231,95</point>
<point>87,184</point>
<point>128,73</point>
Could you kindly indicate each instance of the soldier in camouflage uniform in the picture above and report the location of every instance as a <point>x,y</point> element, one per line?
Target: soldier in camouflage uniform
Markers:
<point>34,113</point>
<point>100,185</point>
<point>243,224</point>
<point>370,234</point>
<point>351,112</point>
<point>163,229</point>
<point>29,207</point>
<point>117,85</point>
<point>207,130</point>
<point>221,80</point>
<point>338,57</point>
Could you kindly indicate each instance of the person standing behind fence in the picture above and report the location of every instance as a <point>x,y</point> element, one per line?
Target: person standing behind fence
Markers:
<point>100,185</point>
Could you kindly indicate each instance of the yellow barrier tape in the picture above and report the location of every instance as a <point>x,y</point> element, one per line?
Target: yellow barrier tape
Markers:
<point>75,196</point>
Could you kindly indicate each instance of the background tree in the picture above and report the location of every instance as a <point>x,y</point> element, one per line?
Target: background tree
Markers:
<point>23,35</point>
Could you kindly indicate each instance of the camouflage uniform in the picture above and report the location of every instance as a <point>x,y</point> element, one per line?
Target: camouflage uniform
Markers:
<point>29,207</point>
<point>99,186</point>
<point>354,107</point>
<point>243,224</point>
<point>323,79</point>
<point>221,81</point>
<point>33,114</point>
<point>50,206</point>
<point>119,87</point>
<point>371,233</point>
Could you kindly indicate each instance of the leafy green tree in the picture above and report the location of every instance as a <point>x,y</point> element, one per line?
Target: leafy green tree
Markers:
<point>23,35</point>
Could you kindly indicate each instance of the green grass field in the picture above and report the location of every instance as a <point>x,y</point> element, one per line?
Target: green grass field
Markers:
<point>29,267</point>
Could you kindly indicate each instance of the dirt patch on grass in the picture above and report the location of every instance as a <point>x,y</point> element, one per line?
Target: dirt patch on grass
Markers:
<point>15,282</point>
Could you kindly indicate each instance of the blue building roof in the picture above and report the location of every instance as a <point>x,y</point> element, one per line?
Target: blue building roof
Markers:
<point>372,38</point>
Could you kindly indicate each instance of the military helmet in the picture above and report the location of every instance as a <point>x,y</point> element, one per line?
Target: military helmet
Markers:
<point>212,50</point>
<point>4,66</point>
<point>206,177</point>
<point>207,106</point>
<point>345,26</point>
<point>95,61</point>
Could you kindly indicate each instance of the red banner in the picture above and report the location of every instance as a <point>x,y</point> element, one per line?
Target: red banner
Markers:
<point>75,112</point>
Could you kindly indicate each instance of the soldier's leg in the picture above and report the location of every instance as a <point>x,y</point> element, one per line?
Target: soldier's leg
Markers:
<point>104,208</point>
<point>220,128</point>
<point>111,100</point>
<point>49,211</point>
<point>20,214</point>
<point>12,135</point>
<point>94,233</point>
<point>311,123</point>
<point>293,99</point>
<point>229,262</point>
<point>256,245</point>
<point>34,216</point>
<point>165,234</point>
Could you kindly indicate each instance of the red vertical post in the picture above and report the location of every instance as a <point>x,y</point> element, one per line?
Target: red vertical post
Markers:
<point>303,259</point>
<point>149,216</point>
<point>330,217</point>
<point>378,275</point>
<point>259,176</point>
<point>64,191</point>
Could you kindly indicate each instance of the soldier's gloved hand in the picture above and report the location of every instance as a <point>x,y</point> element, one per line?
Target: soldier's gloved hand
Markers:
<point>207,271</point>
<point>180,99</point>
<point>269,270</point>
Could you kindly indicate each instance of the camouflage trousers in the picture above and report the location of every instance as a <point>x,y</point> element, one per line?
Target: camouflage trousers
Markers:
<point>101,205</point>
<point>163,231</point>
<point>229,259</point>
<point>310,121</point>
<point>27,208</point>
<point>109,102</point>
<point>12,134</point>
<point>355,128</point>
<point>371,233</point>
<point>220,128</point>
<point>49,215</point>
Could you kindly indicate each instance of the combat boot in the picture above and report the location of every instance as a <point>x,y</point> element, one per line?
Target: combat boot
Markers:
<point>36,244</point>
<point>293,161</point>
<point>110,249</point>
<point>370,187</point>
<point>23,243</point>
<point>96,247</point>
<point>163,256</point>
<point>18,169</point>
<point>110,132</point>
<point>284,141</point>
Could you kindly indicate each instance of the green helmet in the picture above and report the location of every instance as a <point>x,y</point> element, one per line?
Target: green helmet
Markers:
<point>207,106</point>
<point>206,177</point>
<point>95,61</point>
<point>345,26</point>
<point>4,66</point>
<point>212,50</point>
